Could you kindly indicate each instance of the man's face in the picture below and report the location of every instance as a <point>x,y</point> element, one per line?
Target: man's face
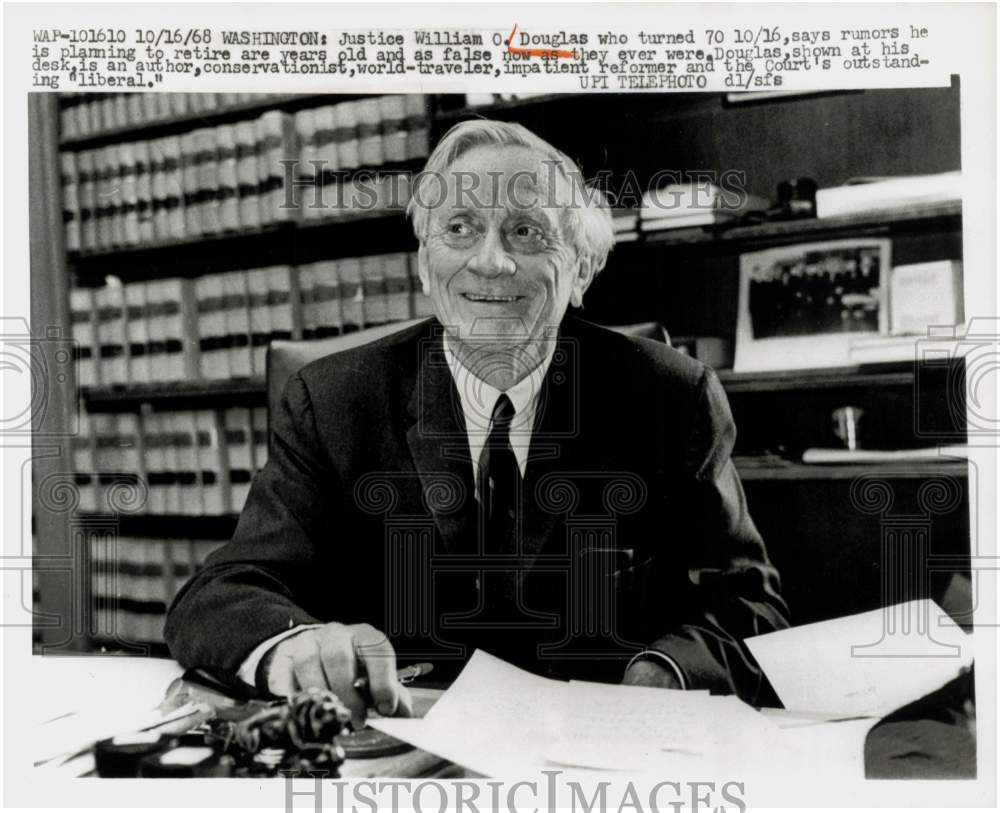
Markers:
<point>497,261</point>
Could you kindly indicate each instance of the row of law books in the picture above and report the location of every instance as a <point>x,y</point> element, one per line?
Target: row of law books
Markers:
<point>84,115</point>
<point>134,579</point>
<point>238,177</point>
<point>180,462</point>
<point>219,326</point>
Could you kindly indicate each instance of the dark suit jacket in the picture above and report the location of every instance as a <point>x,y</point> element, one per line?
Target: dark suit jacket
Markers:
<point>634,532</point>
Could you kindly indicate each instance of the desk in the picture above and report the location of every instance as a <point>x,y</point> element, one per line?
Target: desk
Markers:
<point>105,694</point>
<point>100,696</point>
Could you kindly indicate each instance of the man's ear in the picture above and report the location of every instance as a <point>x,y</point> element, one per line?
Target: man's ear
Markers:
<point>581,282</point>
<point>425,280</point>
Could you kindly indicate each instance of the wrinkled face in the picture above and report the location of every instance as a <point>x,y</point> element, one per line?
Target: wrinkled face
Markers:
<point>497,261</point>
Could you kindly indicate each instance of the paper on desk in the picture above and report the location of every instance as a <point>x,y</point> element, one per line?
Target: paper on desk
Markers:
<point>495,719</point>
<point>871,663</point>
<point>89,698</point>
<point>502,721</point>
<point>68,735</point>
<point>640,728</point>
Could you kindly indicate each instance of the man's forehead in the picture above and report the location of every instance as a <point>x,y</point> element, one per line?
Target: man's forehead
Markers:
<point>510,177</point>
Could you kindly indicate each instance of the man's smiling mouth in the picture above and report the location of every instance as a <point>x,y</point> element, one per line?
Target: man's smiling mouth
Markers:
<point>493,298</point>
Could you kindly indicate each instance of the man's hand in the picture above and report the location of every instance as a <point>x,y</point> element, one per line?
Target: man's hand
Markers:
<point>650,673</point>
<point>333,657</point>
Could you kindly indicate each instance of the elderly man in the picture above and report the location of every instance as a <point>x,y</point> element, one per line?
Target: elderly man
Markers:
<point>503,476</point>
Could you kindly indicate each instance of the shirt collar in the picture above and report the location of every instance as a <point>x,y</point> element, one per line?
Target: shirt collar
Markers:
<point>479,398</point>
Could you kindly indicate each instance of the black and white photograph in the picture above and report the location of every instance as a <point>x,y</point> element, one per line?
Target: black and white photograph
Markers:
<point>623,434</point>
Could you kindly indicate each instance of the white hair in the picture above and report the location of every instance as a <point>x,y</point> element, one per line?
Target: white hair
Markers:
<point>588,218</point>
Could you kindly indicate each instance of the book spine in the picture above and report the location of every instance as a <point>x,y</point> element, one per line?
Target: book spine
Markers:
<point>208,180</point>
<point>159,215</point>
<point>184,432</point>
<point>214,355</point>
<point>88,201</point>
<point>130,457</point>
<point>101,430</point>
<point>176,306</point>
<point>326,299</point>
<point>352,295</point>
<point>237,319</point>
<point>111,335</point>
<point>373,283</point>
<point>158,594</point>
<point>239,449</point>
<point>102,197</point>
<point>84,466</point>
<point>143,192</point>
<point>71,200</point>
<point>150,107</point>
<point>153,444</point>
<point>214,487</point>
<point>346,135</point>
<point>397,287</point>
<point>191,183</point>
<point>129,195</point>
<point>228,194</point>
<point>392,111</point>
<point>156,330</point>
<point>138,333</point>
<point>417,126</point>
<point>82,316</point>
<point>369,133</point>
<point>247,175</point>
<point>171,462</point>
<point>260,320</point>
<point>68,121</point>
<point>174,188</point>
<point>279,297</point>
<point>276,140</point>
<point>134,109</point>
<point>117,191</point>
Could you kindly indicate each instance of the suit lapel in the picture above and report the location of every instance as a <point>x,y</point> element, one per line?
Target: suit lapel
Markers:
<point>555,443</point>
<point>439,444</point>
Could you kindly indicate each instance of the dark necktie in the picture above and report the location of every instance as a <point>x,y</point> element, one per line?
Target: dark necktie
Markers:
<point>500,482</point>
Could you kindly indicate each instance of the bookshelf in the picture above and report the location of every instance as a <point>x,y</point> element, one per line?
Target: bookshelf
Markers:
<point>356,269</point>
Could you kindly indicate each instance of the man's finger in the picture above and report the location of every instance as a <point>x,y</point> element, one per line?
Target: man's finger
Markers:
<point>339,664</point>
<point>404,708</point>
<point>280,673</point>
<point>379,658</point>
<point>306,663</point>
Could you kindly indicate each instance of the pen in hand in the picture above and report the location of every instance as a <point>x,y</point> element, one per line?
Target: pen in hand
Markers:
<point>405,675</point>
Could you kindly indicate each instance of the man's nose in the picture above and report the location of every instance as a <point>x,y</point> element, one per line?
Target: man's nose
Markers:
<point>492,259</point>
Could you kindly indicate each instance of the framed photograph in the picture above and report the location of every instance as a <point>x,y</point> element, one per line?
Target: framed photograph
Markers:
<point>801,306</point>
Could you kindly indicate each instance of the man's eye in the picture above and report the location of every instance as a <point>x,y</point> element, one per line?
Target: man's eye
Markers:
<point>527,232</point>
<point>460,229</point>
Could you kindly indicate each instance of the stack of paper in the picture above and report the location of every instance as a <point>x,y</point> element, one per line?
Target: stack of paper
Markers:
<point>499,720</point>
<point>835,678</point>
<point>866,664</point>
<point>866,195</point>
<point>687,205</point>
<point>626,225</point>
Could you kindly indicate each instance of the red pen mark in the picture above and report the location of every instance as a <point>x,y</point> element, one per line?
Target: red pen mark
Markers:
<point>551,52</point>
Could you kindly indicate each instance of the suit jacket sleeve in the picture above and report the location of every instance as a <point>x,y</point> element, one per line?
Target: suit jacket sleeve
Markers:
<point>265,580</point>
<point>730,590</point>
